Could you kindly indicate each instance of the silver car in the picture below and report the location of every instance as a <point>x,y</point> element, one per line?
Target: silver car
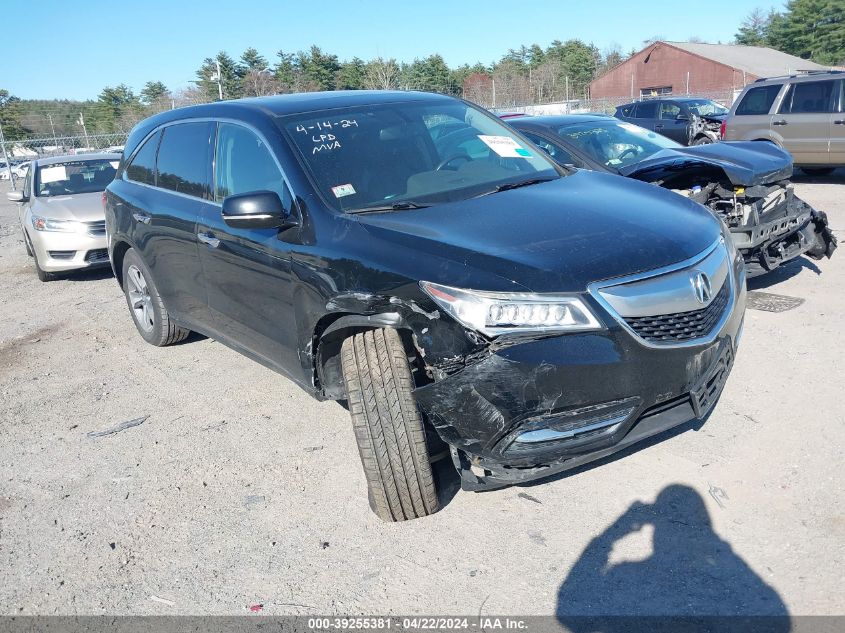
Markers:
<point>61,212</point>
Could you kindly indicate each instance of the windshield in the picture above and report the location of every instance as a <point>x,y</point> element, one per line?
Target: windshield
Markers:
<point>406,154</point>
<point>614,143</point>
<point>62,179</point>
<point>705,107</point>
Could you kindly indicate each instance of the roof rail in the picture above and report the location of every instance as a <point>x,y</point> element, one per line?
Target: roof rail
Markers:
<point>801,73</point>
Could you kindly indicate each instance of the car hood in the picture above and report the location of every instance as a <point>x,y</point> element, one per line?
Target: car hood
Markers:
<point>82,207</point>
<point>745,163</point>
<point>556,236</point>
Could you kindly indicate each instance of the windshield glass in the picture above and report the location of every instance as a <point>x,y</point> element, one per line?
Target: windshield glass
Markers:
<point>705,107</point>
<point>419,152</point>
<point>614,143</point>
<point>62,179</point>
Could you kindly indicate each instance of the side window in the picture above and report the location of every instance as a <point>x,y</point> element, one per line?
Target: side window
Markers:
<point>758,100</point>
<point>143,167</point>
<point>244,163</point>
<point>626,111</point>
<point>555,151</point>
<point>808,96</point>
<point>669,110</point>
<point>647,110</point>
<point>183,158</point>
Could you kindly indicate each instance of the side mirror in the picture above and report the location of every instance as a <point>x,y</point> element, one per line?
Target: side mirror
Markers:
<point>256,210</point>
<point>16,196</point>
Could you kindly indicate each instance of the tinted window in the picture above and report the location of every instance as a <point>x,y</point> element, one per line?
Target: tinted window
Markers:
<point>627,110</point>
<point>669,110</point>
<point>143,166</point>
<point>809,96</point>
<point>758,100</point>
<point>647,110</point>
<point>244,163</point>
<point>183,158</point>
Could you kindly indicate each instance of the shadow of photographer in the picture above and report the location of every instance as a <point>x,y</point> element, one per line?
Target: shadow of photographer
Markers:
<point>690,574</point>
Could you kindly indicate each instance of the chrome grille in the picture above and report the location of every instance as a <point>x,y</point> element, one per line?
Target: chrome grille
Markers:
<point>682,326</point>
<point>96,229</point>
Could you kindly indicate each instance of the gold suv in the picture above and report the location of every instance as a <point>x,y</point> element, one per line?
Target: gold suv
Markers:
<point>804,114</point>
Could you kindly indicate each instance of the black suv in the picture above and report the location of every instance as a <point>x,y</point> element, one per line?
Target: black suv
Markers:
<point>413,256</point>
<point>686,120</point>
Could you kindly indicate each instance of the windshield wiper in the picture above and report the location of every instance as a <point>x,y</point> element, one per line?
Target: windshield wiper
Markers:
<point>514,185</point>
<point>402,205</point>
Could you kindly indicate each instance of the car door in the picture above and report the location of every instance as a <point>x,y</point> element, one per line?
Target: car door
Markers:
<point>248,271</point>
<point>750,118</point>
<point>173,172</point>
<point>646,114</point>
<point>668,124</point>
<point>804,120</point>
<point>837,128</point>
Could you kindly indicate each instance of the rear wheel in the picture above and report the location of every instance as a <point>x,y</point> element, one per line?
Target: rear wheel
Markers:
<point>817,171</point>
<point>702,140</point>
<point>388,426</point>
<point>151,317</point>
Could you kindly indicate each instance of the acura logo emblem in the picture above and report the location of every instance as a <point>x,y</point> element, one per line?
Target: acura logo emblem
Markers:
<point>701,287</point>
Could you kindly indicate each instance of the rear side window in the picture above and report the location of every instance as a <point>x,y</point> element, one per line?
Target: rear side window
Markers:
<point>808,96</point>
<point>143,167</point>
<point>627,110</point>
<point>184,159</point>
<point>758,100</point>
<point>244,163</point>
<point>647,110</point>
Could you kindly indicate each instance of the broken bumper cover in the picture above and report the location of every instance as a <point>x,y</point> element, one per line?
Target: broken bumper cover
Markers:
<point>540,407</point>
<point>796,231</point>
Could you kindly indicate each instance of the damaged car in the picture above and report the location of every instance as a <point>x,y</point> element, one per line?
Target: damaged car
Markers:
<point>687,120</point>
<point>409,255</point>
<point>746,184</point>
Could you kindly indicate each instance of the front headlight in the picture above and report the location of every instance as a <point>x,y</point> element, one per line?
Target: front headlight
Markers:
<point>495,313</point>
<point>62,226</point>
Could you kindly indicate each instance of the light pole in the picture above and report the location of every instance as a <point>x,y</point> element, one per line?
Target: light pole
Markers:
<point>217,77</point>
<point>81,122</point>
<point>53,129</point>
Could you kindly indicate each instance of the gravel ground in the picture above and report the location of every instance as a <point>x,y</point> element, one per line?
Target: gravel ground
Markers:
<point>239,490</point>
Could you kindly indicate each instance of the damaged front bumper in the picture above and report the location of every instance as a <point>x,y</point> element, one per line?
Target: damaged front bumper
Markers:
<point>533,408</point>
<point>789,230</point>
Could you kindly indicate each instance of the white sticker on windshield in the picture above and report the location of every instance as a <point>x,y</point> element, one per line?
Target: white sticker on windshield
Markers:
<point>52,174</point>
<point>343,190</point>
<point>505,146</point>
<point>114,163</point>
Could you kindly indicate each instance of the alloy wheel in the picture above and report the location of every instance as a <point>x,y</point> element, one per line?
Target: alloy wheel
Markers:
<point>139,298</point>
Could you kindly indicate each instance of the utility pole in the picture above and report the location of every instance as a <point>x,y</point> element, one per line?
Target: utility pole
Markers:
<point>494,91</point>
<point>81,121</point>
<point>217,77</point>
<point>53,129</point>
<point>687,82</point>
<point>6,157</point>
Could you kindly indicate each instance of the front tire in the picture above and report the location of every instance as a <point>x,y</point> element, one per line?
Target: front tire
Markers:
<point>388,426</point>
<point>702,140</point>
<point>145,305</point>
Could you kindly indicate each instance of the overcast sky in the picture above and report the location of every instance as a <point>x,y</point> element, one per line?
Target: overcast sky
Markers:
<point>63,49</point>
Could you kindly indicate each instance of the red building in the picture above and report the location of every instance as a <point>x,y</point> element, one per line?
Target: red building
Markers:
<point>692,68</point>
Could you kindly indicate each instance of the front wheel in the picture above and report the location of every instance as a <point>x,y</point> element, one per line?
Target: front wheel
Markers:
<point>702,140</point>
<point>151,317</point>
<point>388,426</point>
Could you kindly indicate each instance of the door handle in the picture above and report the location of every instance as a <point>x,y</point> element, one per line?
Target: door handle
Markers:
<point>142,218</point>
<point>781,122</point>
<point>839,122</point>
<point>658,127</point>
<point>208,238</point>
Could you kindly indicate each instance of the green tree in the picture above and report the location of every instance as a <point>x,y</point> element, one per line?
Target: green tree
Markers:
<point>754,29</point>
<point>251,60</point>
<point>153,92</point>
<point>351,75</point>
<point>811,29</point>
<point>287,72</point>
<point>117,109</point>
<point>431,73</point>
<point>318,69</point>
<point>11,113</point>
<point>229,77</point>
